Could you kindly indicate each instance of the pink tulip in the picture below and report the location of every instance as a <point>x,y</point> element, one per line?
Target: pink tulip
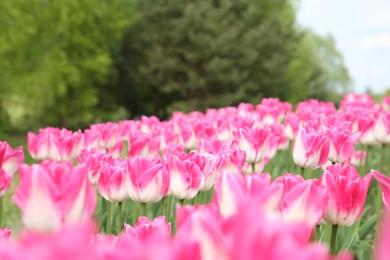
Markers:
<point>209,145</point>
<point>382,128</point>
<point>149,124</point>
<point>245,235</point>
<point>184,130</point>
<point>5,233</point>
<point>233,160</point>
<point>311,149</point>
<point>144,145</point>
<point>381,251</point>
<point>210,171</point>
<point>229,193</point>
<point>186,175</point>
<point>259,167</point>
<point>316,107</point>
<point>232,191</point>
<point>116,150</point>
<point>107,134</point>
<point>347,193</point>
<point>289,181</point>
<point>255,143</point>
<point>353,100</point>
<point>224,129</point>
<point>10,159</point>
<point>306,202</point>
<point>366,127</point>
<point>148,179</point>
<point>291,126</point>
<point>54,143</point>
<point>342,144</point>
<point>146,229</point>
<point>148,239</point>
<point>69,243</point>
<point>358,158</point>
<point>92,159</point>
<point>51,193</point>
<point>272,111</point>
<point>112,181</point>
<point>386,103</point>
<point>384,183</point>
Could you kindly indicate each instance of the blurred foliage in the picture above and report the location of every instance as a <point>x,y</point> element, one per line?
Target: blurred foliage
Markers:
<point>72,63</point>
<point>207,53</point>
<point>56,58</point>
<point>317,69</point>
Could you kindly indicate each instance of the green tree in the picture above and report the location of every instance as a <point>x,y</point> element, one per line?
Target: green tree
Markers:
<point>317,69</point>
<point>56,57</point>
<point>190,55</point>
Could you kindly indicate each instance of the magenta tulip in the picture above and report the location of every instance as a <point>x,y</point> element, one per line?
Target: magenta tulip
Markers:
<point>10,159</point>
<point>311,149</point>
<point>52,193</point>
<point>384,183</point>
<point>255,143</point>
<point>112,181</point>
<point>148,179</point>
<point>342,144</point>
<point>186,175</point>
<point>347,193</point>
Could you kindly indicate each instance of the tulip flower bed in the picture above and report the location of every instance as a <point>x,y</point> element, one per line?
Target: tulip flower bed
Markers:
<point>245,182</point>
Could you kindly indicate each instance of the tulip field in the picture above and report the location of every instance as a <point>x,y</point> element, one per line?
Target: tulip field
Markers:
<point>265,181</point>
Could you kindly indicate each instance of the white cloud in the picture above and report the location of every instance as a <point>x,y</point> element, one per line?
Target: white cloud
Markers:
<point>381,40</point>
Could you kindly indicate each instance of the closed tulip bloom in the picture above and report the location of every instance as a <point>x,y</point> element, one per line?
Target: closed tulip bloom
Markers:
<point>384,183</point>
<point>342,144</point>
<point>10,159</point>
<point>54,143</point>
<point>148,179</point>
<point>112,181</point>
<point>146,229</point>
<point>107,134</point>
<point>5,233</point>
<point>186,175</point>
<point>144,145</point>
<point>358,158</point>
<point>347,193</point>
<point>311,149</point>
<point>386,103</point>
<point>382,128</point>
<point>382,251</point>
<point>255,142</point>
<point>51,193</point>
<point>305,202</point>
<point>93,159</point>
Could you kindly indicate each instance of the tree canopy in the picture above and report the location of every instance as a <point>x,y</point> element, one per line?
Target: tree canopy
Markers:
<point>71,63</point>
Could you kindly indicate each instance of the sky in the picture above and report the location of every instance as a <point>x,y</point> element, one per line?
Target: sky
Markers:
<point>361,29</point>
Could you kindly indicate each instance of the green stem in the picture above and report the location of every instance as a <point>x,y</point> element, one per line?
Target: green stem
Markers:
<point>253,167</point>
<point>143,209</point>
<point>169,202</point>
<point>333,238</point>
<point>1,211</point>
<point>108,224</point>
<point>288,156</point>
<point>164,207</point>
<point>196,198</point>
<point>317,234</point>
<point>378,188</point>
<point>119,223</point>
<point>302,171</point>
<point>367,149</point>
<point>382,158</point>
<point>181,202</point>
